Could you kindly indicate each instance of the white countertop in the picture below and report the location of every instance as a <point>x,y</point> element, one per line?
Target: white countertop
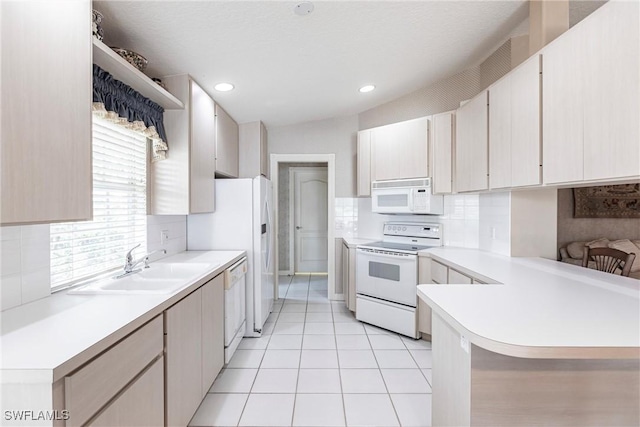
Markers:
<point>352,242</point>
<point>543,308</point>
<point>49,335</point>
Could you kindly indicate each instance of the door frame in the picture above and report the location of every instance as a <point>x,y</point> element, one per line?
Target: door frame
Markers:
<point>330,160</point>
<point>292,171</point>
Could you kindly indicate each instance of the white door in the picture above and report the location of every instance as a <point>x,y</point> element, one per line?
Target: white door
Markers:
<point>310,219</point>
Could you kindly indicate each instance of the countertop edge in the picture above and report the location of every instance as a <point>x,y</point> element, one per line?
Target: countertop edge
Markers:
<point>531,352</point>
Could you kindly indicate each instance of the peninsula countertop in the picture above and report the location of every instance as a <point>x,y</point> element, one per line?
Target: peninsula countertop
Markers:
<point>541,309</point>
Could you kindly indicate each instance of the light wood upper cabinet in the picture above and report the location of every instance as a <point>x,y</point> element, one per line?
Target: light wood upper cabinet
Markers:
<point>253,150</point>
<point>442,131</point>
<point>400,150</point>
<point>563,108</point>
<point>525,124</point>
<point>212,331</point>
<point>184,182</point>
<point>590,98</point>
<point>500,133</point>
<point>472,145</point>
<point>514,127</point>
<point>227,144</point>
<point>183,359</point>
<point>46,112</point>
<point>612,92</point>
<point>363,179</point>
<point>202,150</point>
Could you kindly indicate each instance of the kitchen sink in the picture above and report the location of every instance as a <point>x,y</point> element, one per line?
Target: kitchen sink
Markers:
<point>158,279</point>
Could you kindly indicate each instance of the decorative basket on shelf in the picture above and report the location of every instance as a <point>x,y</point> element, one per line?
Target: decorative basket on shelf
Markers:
<point>133,58</point>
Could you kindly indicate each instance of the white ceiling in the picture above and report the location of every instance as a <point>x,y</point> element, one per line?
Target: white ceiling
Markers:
<point>290,69</point>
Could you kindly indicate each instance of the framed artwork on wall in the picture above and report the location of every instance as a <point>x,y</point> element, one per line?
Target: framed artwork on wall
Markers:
<point>607,201</point>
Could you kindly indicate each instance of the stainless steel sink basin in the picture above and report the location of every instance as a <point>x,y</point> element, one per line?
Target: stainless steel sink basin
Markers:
<point>158,279</point>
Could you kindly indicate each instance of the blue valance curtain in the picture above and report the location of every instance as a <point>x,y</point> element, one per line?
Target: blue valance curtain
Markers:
<point>120,103</point>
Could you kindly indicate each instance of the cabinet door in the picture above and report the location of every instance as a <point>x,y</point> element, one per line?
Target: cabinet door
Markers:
<point>457,278</point>
<point>424,311</point>
<point>345,275</point>
<point>142,404</point>
<point>226,144</point>
<point>612,92</point>
<point>563,66</point>
<point>442,131</point>
<point>471,145</point>
<point>202,152</point>
<point>400,150</point>
<point>183,359</point>
<point>364,163</point>
<point>500,133</point>
<point>46,82</point>
<point>525,124</point>
<point>212,331</point>
<point>352,279</point>
<point>264,151</point>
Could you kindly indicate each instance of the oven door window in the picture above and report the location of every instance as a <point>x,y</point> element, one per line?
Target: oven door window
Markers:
<point>385,271</point>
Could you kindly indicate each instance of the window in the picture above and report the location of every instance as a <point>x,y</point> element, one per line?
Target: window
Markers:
<point>80,250</point>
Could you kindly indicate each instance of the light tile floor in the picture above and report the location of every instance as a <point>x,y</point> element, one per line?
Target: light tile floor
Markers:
<point>316,365</point>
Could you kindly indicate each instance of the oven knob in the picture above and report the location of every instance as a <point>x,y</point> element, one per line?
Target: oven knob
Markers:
<point>404,228</point>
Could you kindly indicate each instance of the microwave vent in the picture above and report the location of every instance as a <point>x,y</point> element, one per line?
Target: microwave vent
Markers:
<point>402,183</point>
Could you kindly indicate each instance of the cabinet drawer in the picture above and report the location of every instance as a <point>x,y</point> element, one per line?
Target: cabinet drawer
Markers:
<point>458,278</point>
<point>90,388</point>
<point>439,272</point>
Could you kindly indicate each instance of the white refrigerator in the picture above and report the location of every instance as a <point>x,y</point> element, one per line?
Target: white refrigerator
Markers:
<point>242,221</point>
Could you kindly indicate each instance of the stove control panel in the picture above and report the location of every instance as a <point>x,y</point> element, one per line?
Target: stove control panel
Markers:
<point>413,229</point>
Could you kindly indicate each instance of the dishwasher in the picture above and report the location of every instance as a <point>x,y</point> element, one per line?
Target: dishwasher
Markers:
<point>234,307</point>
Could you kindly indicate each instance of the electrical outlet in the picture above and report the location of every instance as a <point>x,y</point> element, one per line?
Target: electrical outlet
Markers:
<point>164,236</point>
<point>493,233</point>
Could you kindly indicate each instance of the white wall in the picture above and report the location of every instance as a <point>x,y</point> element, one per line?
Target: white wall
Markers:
<point>25,269</point>
<point>337,136</point>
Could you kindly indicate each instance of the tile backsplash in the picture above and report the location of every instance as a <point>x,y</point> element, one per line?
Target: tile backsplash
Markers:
<point>25,256</point>
<point>24,264</point>
<point>495,223</point>
<point>461,219</point>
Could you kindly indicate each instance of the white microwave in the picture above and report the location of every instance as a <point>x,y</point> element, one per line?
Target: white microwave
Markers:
<point>405,196</point>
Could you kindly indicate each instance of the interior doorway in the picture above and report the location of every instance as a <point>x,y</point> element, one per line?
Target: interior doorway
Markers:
<point>308,219</point>
<point>304,197</point>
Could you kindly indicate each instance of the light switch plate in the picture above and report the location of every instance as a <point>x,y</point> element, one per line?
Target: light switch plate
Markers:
<point>164,236</point>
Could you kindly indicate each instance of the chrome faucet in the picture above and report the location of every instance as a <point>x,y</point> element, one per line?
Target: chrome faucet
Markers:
<point>130,264</point>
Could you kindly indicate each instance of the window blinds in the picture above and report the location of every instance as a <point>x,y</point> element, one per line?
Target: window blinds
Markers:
<point>80,250</point>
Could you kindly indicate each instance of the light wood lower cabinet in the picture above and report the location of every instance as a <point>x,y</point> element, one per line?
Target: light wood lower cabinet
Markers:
<point>194,349</point>
<point>104,381</point>
<point>212,331</point>
<point>141,404</point>
<point>424,311</point>
<point>183,328</point>
<point>458,278</point>
<point>349,276</point>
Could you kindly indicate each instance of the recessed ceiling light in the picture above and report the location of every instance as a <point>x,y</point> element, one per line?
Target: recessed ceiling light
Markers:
<point>304,8</point>
<point>223,87</point>
<point>367,88</point>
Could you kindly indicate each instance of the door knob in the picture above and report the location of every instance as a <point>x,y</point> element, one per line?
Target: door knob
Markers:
<point>298,227</point>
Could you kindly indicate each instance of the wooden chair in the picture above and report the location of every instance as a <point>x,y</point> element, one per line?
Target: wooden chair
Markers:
<point>609,260</point>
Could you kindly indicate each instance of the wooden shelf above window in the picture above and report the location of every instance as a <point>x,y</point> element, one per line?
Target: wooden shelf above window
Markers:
<point>121,70</point>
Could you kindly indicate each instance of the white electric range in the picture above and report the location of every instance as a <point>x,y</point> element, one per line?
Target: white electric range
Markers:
<point>387,275</point>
